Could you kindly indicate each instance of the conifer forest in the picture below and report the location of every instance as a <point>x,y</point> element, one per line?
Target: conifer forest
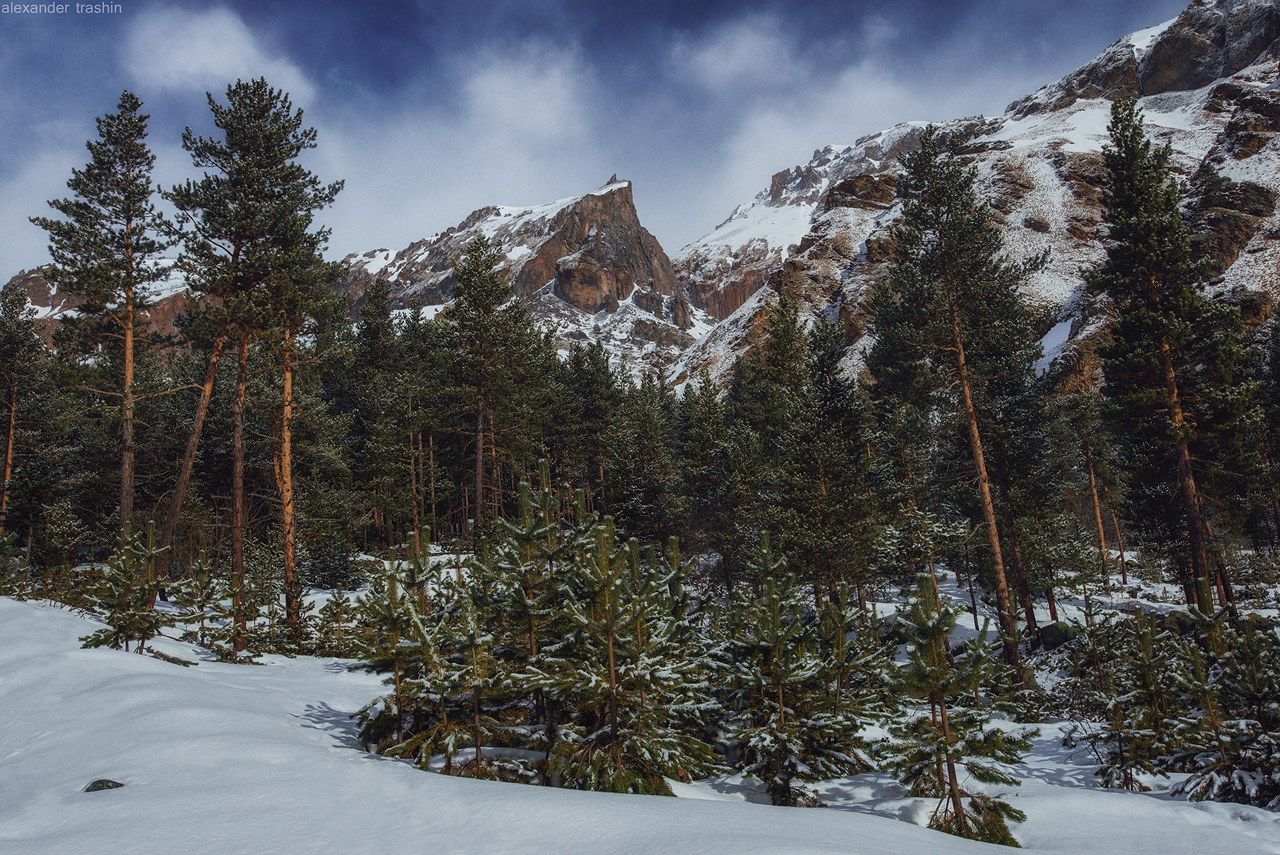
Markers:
<point>572,574</point>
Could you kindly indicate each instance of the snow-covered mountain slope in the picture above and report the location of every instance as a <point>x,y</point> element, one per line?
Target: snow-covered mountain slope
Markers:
<point>167,299</point>
<point>218,758</point>
<point>721,270</point>
<point>1207,83</point>
<point>584,266</point>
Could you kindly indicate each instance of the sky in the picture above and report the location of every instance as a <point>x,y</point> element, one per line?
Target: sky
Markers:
<point>431,109</point>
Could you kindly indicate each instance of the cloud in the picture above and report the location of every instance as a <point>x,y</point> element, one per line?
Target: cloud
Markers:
<point>517,126</point>
<point>177,49</point>
<point>742,54</point>
<point>25,193</point>
<point>532,99</point>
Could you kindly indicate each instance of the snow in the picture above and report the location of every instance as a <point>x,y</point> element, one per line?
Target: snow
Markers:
<point>1052,344</point>
<point>779,227</point>
<point>246,759</point>
<point>609,188</point>
<point>263,758</point>
<point>1142,40</point>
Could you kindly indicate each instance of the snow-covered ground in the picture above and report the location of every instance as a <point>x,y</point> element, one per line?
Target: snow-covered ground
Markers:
<point>263,758</point>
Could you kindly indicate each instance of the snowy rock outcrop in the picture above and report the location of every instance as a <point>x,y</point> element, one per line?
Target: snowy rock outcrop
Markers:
<point>1208,41</point>
<point>584,266</point>
<point>1209,87</point>
<point>168,300</point>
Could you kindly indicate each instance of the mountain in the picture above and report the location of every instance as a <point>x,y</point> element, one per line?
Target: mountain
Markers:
<point>1207,83</point>
<point>584,267</point>
<point>820,232</point>
<point>168,301</point>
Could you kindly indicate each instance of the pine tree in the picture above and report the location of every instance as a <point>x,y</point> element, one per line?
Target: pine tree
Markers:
<point>793,727</point>
<point>252,248</point>
<point>493,346</point>
<point>1233,729</point>
<point>951,297</point>
<point>1140,709</point>
<point>201,595</point>
<point>642,471</point>
<point>1171,354</point>
<point>588,394</point>
<point>819,503</point>
<point>634,678</point>
<point>123,595</point>
<point>106,251</point>
<point>23,372</point>
<point>931,750</point>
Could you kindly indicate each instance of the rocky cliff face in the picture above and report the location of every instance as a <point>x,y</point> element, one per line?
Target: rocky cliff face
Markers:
<point>1208,85</point>
<point>1208,41</point>
<point>168,300</point>
<point>585,267</point>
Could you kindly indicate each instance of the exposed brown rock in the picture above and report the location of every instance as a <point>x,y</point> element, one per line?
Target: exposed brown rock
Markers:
<point>1186,56</point>
<point>1113,74</point>
<point>593,252</point>
<point>873,192</point>
<point>1208,41</point>
<point>597,254</point>
<point>161,317</point>
<point>1226,214</point>
<point>719,284</point>
<point>879,248</point>
<point>1255,307</point>
<point>1084,173</point>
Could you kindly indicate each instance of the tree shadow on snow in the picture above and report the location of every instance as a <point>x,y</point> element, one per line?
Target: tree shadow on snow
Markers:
<point>338,723</point>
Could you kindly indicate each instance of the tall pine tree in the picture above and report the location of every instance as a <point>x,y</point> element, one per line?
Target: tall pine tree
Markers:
<point>951,292</point>
<point>106,252</point>
<point>250,245</point>
<point>1172,353</point>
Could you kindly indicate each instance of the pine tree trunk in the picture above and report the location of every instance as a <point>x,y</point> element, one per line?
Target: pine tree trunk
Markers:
<point>1097,519</point>
<point>1021,582</point>
<point>8,451</point>
<point>237,492</point>
<point>613,697</point>
<point>1048,593</point>
<point>1007,628</point>
<point>189,456</point>
<point>1226,592</point>
<point>479,474</point>
<point>126,416</point>
<point>414,484</point>
<point>953,785</point>
<point>1115,524</point>
<point>1186,479</point>
<point>1020,575</point>
<point>292,598</point>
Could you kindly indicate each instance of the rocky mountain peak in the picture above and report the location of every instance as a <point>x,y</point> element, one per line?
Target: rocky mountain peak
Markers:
<point>584,266</point>
<point>1209,86</point>
<point>1208,41</point>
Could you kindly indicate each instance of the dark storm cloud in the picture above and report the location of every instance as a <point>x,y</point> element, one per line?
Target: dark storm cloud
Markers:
<point>431,109</point>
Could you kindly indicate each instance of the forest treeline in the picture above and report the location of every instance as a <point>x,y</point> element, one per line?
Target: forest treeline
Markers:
<point>270,419</point>
<point>272,440</point>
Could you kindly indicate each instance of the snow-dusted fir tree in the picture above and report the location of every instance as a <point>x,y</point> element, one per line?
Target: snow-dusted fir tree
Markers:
<point>630,674</point>
<point>531,564</point>
<point>388,644</point>
<point>201,595</point>
<point>787,710</point>
<point>933,750</point>
<point>1142,704</point>
<point>1233,728</point>
<point>123,594</point>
